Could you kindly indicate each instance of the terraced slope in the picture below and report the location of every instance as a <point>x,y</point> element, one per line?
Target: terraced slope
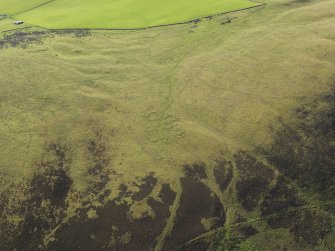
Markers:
<point>126,13</point>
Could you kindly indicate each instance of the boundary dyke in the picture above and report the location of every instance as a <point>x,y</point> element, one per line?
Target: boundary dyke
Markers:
<point>33,8</point>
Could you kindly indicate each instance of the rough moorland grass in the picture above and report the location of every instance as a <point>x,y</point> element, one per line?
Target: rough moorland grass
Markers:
<point>126,13</point>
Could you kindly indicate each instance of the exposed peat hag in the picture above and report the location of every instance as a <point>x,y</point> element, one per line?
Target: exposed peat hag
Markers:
<point>149,183</point>
<point>304,154</point>
<point>45,204</point>
<point>223,173</point>
<point>112,228</point>
<point>254,180</point>
<point>197,204</point>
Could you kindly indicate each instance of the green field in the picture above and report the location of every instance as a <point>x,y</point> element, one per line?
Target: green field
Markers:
<point>16,6</point>
<point>124,14</point>
<point>216,135</point>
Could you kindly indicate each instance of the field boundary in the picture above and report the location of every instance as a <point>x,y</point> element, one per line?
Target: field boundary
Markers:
<point>32,8</point>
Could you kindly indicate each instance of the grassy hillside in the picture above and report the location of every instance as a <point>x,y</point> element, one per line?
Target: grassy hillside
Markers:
<point>216,135</point>
<point>126,13</point>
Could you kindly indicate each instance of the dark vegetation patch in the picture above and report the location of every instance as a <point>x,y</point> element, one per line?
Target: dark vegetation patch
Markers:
<point>246,230</point>
<point>250,191</point>
<point>81,233</point>
<point>242,229</point>
<point>9,207</point>
<point>196,171</point>
<point>44,205</point>
<point>100,168</point>
<point>44,208</point>
<point>282,196</point>
<point>123,192</point>
<point>112,229</point>
<point>310,226</point>
<point>99,224</point>
<point>254,182</point>
<point>282,208</point>
<point>51,179</point>
<point>197,202</point>
<point>78,33</point>
<point>23,39</point>
<point>305,153</point>
<point>148,185</point>
<point>248,166</point>
<point>277,203</point>
<point>167,195</point>
<point>223,173</point>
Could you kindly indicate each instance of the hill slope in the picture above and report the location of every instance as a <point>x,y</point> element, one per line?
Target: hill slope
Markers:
<point>215,135</point>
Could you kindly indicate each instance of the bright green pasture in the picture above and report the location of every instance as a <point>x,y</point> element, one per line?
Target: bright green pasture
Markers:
<point>11,7</point>
<point>125,13</point>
